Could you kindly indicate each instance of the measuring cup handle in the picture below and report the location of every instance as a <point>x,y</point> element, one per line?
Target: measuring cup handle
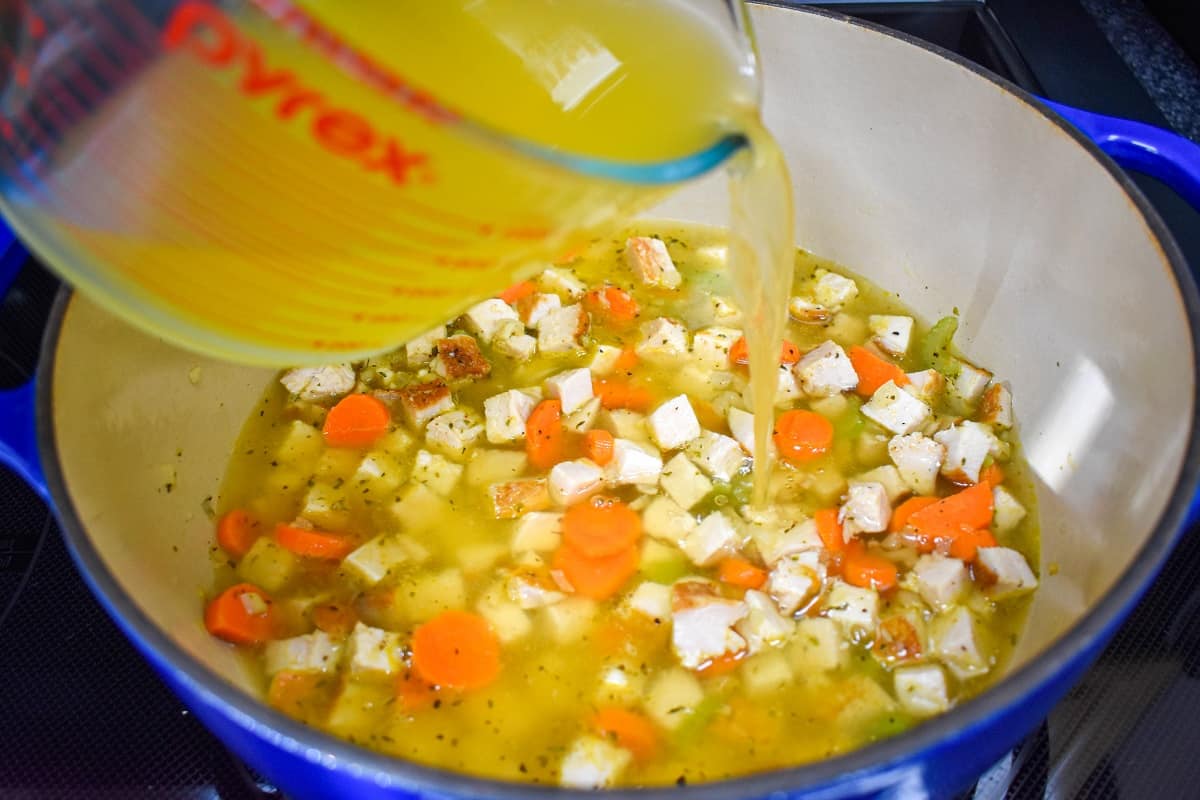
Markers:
<point>18,407</point>
<point>1144,148</point>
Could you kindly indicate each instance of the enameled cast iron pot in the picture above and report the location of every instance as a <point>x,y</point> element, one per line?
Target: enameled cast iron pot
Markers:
<point>910,166</point>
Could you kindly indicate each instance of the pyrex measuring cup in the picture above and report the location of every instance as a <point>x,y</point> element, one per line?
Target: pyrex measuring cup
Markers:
<point>247,180</point>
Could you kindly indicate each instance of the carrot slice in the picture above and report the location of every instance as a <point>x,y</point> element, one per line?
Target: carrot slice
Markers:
<point>621,394</point>
<point>241,614</point>
<point>874,371</point>
<point>907,509</point>
<point>867,570</point>
<point>966,545</point>
<point>598,445</point>
<point>456,649</point>
<point>992,475</point>
<point>626,361</point>
<point>236,531</point>
<point>954,515</point>
<point>611,303</point>
<point>313,544</point>
<point>740,572</point>
<point>336,619</point>
<point>740,353</point>
<point>414,693</point>
<point>289,691</point>
<point>802,435</point>
<point>597,578</point>
<point>721,665</point>
<point>518,290</point>
<point>629,730</point>
<point>356,421</point>
<point>545,437</point>
<point>830,530</point>
<point>601,526</point>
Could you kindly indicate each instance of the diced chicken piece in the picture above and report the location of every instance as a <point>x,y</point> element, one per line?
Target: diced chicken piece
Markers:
<point>889,478</point>
<point>572,481</point>
<point>891,333</point>
<point>624,424</point>
<point>918,460</point>
<point>852,607</point>
<point>375,652</point>
<point>633,464</point>
<point>825,370</point>
<point>419,351</point>
<point>995,408</point>
<point>970,382</point>
<point>921,689</point>
<point>956,642</point>
<point>809,311</point>
<point>940,581</point>
<point>741,425</point>
<point>818,645</point>
<point>716,536</point>
<point>584,418</point>
<point>795,580</point>
<point>702,623</point>
<point>901,636</point>
<point>312,652</point>
<point>787,387</point>
<point>315,384</point>
<point>684,482</point>
<point>650,262</point>
<point>832,290</point>
<point>561,282</point>
<point>538,531</point>
<point>507,619</point>
<point>561,330</point>
<point>895,409</point>
<point>776,540</point>
<point>621,684</point>
<point>866,509</point>
<point>1007,511</point>
<point>512,341</point>
<point>967,445</point>
<point>673,697</point>
<point>534,308</point>
<point>664,519</point>
<point>926,385</point>
<point>724,311</point>
<point>515,498</point>
<point>437,472</point>
<point>764,625</point>
<point>573,388</point>
<point>569,619</point>
<point>422,402</point>
<point>1004,572</point>
<point>505,416</point>
<point>453,433</point>
<point>664,341</point>
<point>651,599</point>
<point>529,585</point>
<point>711,346</point>
<point>673,424</point>
<point>720,456</point>
<point>459,358</point>
<point>605,359</point>
<point>484,319</point>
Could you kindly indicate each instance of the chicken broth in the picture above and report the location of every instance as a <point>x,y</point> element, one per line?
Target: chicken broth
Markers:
<point>525,547</point>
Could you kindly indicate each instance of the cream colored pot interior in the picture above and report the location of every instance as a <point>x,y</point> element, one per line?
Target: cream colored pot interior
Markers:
<point>916,172</point>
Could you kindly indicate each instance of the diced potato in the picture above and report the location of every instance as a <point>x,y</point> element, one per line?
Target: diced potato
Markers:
<point>477,558</point>
<point>538,531</point>
<point>326,507</point>
<point>817,646</point>
<point>684,482</point>
<point>420,508</point>
<point>672,697</point>
<point>374,652</point>
<point>766,672</point>
<point>651,599</point>
<point>624,424</point>
<point>300,446</point>
<point>425,596</point>
<point>312,652</point>
<point>507,619</point>
<point>437,472</point>
<point>371,562</point>
<point>379,473</point>
<point>569,619</point>
<point>1008,511</point>
<point>336,463</point>
<point>852,607</point>
<point>489,466</point>
<point>267,565</point>
<point>665,519</point>
<point>866,701</point>
<point>593,763</point>
<point>358,706</point>
<point>921,689</point>
<point>584,418</point>
<point>620,684</point>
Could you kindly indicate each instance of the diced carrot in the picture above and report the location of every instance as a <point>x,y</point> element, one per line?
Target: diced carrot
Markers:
<point>518,290</point>
<point>907,509</point>
<point>611,303</point>
<point>336,619</point>
<point>966,545</point>
<point>629,730</point>
<point>414,693</point>
<point>456,649</point>
<point>356,421</point>
<point>874,371</point>
<point>236,531</point>
<point>597,578</point>
<point>601,526</point>
<point>242,621</point>
<point>830,530</point>
<point>290,691</point>
<point>598,446</point>
<point>992,475</point>
<point>952,516</point>
<point>867,570</point>
<point>626,361</point>
<point>545,437</point>
<point>739,354</point>
<point>721,665</point>
<point>313,544</point>
<point>802,435</point>
<point>614,393</point>
<point>740,572</point>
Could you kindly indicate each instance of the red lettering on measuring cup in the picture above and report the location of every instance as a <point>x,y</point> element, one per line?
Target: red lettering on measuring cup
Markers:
<point>207,31</point>
<point>395,162</point>
<point>344,132</point>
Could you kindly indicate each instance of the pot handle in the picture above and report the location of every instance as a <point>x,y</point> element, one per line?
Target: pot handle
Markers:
<point>1159,153</point>
<point>18,414</point>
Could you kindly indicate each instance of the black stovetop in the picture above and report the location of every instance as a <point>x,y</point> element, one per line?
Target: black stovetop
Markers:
<point>82,716</point>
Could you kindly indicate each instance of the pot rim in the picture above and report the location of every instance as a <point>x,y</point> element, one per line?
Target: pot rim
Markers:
<point>871,764</point>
